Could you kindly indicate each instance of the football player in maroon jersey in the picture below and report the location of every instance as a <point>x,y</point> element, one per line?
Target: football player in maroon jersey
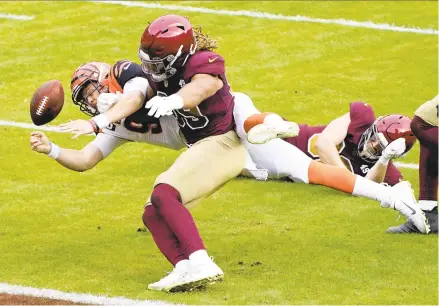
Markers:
<point>284,160</point>
<point>189,81</point>
<point>357,141</point>
<point>424,126</point>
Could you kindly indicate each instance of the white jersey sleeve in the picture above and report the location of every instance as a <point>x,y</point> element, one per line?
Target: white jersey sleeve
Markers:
<point>165,134</point>
<point>107,143</point>
<point>136,84</point>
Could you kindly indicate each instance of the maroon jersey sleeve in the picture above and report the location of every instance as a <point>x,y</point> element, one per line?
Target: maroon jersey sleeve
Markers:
<point>393,176</point>
<point>204,62</point>
<point>362,117</point>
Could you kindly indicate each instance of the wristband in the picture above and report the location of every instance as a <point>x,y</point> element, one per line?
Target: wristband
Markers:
<point>383,161</point>
<point>101,121</point>
<point>94,126</point>
<point>54,151</point>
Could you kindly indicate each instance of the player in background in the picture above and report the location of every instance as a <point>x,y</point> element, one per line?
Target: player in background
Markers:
<point>190,83</point>
<point>358,141</point>
<point>425,127</point>
<point>284,160</point>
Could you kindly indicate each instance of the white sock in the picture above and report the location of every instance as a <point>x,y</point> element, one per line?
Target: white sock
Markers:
<point>372,190</point>
<point>181,263</point>
<point>200,255</point>
<point>427,205</point>
<point>273,119</point>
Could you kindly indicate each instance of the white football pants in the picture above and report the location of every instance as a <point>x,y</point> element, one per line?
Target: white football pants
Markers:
<point>279,157</point>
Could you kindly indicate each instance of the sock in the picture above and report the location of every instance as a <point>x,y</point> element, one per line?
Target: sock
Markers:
<point>163,237</point>
<point>427,205</point>
<point>256,119</point>
<point>428,173</point>
<point>344,180</point>
<point>428,158</point>
<point>166,200</point>
<point>372,190</point>
<point>182,264</point>
<point>200,255</point>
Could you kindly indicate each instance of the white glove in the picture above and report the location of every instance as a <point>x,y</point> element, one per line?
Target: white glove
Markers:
<point>107,100</point>
<point>394,150</point>
<point>160,106</point>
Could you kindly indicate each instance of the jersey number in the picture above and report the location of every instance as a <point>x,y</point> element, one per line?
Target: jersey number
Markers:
<point>193,118</point>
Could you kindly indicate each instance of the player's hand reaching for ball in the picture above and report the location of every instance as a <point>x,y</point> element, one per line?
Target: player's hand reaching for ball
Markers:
<point>39,142</point>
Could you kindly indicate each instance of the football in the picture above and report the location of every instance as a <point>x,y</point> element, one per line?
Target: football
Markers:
<point>47,102</point>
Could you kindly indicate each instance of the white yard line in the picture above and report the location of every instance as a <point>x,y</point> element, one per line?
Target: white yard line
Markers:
<point>74,297</point>
<point>16,17</point>
<point>262,15</point>
<point>56,129</point>
<point>408,166</point>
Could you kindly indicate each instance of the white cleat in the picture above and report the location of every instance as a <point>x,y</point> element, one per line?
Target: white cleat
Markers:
<point>263,133</point>
<point>405,203</point>
<point>206,273</point>
<point>175,281</point>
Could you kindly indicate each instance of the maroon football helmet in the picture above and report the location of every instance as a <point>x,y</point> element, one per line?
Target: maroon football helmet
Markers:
<point>381,133</point>
<point>165,46</point>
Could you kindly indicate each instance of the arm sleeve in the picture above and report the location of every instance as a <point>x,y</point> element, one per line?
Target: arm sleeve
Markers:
<point>136,84</point>
<point>107,143</point>
<point>393,175</point>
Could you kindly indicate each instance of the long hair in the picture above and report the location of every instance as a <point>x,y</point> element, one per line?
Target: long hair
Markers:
<point>204,42</point>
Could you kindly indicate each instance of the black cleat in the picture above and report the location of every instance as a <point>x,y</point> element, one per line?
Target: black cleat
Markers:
<point>409,227</point>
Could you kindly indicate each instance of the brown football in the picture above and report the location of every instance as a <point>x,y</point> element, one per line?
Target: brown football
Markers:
<point>47,102</point>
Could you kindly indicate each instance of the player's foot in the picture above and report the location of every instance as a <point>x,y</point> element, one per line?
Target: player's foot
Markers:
<point>206,272</point>
<point>175,281</point>
<point>410,228</point>
<point>407,206</point>
<point>264,132</point>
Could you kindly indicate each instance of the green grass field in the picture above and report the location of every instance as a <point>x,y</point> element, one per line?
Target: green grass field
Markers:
<point>78,232</point>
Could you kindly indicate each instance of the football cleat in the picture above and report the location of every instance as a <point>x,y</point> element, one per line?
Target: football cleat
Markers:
<point>206,273</point>
<point>410,228</point>
<point>264,132</point>
<point>407,206</point>
<point>174,281</point>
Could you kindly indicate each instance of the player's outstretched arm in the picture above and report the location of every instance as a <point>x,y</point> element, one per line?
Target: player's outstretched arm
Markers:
<point>201,87</point>
<point>127,104</point>
<point>76,160</point>
<point>334,134</point>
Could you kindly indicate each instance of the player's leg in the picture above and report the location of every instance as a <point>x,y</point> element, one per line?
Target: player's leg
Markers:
<point>282,159</point>
<point>259,127</point>
<point>169,245</point>
<point>196,173</point>
<point>428,176</point>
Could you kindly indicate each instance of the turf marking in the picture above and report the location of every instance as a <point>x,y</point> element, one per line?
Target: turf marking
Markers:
<point>74,297</point>
<point>16,17</point>
<point>262,15</point>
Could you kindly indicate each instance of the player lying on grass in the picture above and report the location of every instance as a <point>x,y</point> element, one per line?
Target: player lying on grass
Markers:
<point>356,141</point>
<point>362,147</point>
<point>424,126</point>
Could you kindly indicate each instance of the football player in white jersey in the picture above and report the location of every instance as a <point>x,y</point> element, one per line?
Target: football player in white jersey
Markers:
<point>95,87</point>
